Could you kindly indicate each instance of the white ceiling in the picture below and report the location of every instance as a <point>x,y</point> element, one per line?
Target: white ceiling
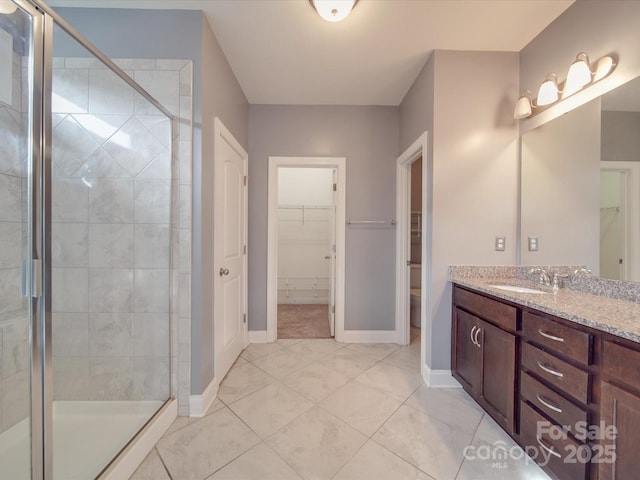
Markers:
<point>282,52</point>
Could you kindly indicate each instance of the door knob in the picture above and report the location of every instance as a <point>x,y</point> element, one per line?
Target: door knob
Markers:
<point>224,271</point>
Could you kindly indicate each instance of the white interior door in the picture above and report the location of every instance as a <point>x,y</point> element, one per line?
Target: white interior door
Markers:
<point>230,224</point>
<point>332,256</point>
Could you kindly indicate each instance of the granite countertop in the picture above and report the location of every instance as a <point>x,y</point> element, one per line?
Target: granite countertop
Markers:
<point>611,315</point>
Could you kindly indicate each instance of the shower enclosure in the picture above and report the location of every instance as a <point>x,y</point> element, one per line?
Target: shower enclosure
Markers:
<point>85,243</point>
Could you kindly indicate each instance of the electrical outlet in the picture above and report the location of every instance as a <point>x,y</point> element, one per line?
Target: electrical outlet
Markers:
<point>500,241</point>
<point>533,244</point>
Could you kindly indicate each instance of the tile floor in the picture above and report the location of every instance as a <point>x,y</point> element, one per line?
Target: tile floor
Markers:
<point>317,409</point>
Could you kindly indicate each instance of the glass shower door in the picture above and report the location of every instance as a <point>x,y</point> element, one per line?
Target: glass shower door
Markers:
<point>16,309</point>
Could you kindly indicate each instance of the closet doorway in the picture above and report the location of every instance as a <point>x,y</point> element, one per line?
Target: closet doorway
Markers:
<point>306,238</point>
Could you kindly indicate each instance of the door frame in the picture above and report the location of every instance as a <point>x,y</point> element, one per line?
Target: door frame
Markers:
<point>418,149</point>
<point>339,163</point>
<point>220,134</point>
<point>632,220</point>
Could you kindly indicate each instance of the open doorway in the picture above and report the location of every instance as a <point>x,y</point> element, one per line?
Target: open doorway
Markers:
<point>415,250</point>
<point>620,220</point>
<point>306,211</point>
<point>305,258</point>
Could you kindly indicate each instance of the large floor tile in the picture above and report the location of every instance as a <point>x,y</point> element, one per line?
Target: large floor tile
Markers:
<point>287,342</point>
<point>489,462</point>
<point>362,407</point>
<point>257,350</point>
<point>393,381</point>
<point>271,408</point>
<point>241,381</point>
<point>349,362</point>
<point>377,350</point>
<point>407,358</point>
<point>373,462</point>
<point>258,463</point>
<point>316,445</point>
<point>447,406</point>
<point>283,363</point>
<point>316,381</point>
<point>179,423</point>
<point>215,406</point>
<point>151,469</point>
<point>319,347</point>
<point>198,450</point>
<point>433,446</point>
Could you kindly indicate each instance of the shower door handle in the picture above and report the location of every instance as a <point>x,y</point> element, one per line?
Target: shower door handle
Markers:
<point>224,271</point>
<point>31,271</point>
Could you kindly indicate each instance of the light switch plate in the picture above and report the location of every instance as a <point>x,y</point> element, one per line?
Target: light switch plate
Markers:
<point>533,244</point>
<point>500,244</point>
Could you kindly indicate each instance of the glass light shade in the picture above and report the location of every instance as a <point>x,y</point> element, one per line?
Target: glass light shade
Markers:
<point>603,68</point>
<point>579,75</point>
<point>523,107</point>
<point>334,10</point>
<point>7,7</point>
<point>548,91</point>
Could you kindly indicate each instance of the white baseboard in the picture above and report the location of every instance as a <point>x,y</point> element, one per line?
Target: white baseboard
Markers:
<point>369,336</point>
<point>134,454</point>
<point>439,378</point>
<point>199,404</point>
<point>258,336</point>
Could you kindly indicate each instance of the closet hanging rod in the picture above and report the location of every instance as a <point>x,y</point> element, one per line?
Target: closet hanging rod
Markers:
<point>371,222</point>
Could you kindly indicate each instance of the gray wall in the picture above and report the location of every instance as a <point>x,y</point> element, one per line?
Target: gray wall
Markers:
<point>473,171</point>
<point>368,138</point>
<point>221,98</point>
<point>598,27</point>
<point>182,34</point>
<point>620,136</point>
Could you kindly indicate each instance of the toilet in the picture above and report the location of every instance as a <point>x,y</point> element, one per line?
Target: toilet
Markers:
<point>415,294</point>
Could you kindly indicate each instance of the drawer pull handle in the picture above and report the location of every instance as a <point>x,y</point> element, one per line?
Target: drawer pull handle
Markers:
<point>550,337</point>
<point>475,339</point>
<point>549,370</point>
<point>472,332</point>
<point>548,449</point>
<point>547,403</point>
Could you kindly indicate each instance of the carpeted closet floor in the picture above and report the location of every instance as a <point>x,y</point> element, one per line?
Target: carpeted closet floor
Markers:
<point>303,321</point>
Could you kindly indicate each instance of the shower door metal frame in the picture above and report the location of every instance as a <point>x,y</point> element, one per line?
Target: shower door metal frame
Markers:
<point>39,272</point>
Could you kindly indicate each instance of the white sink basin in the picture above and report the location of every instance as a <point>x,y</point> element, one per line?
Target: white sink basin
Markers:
<point>517,289</point>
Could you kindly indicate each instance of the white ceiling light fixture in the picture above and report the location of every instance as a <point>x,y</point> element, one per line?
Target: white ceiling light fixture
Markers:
<point>548,91</point>
<point>7,7</point>
<point>579,75</point>
<point>333,10</point>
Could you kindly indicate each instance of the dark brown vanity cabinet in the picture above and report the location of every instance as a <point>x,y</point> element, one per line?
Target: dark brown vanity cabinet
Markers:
<point>620,412</point>
<point>484,354</point>
<point>537,374</point>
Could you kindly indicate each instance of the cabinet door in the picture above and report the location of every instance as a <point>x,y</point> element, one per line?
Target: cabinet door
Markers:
<point>620,409</point>
<point>497,387</point>
<point>467,354</point>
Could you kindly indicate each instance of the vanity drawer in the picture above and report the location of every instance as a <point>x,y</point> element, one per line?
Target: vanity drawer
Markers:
<point>568,341</point>
<point>560,374</point>
<point>621,363</point>
<point>498,313</point>
<point>551,448</point>
<point>553,405</point>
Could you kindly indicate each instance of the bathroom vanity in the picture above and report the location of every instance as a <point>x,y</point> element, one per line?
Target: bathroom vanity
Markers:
<point>559,372</point>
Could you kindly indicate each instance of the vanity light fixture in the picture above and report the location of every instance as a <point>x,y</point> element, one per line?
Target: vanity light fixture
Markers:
<point>548,91</point>
<point>333,10</point>
<point>579,75</point>
<point>523,106</point>
<point>7,7</point>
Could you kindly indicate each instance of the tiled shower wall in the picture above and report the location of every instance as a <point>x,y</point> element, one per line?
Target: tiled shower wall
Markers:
<point>108,344</point>
<point>14,327</point>
<point>121,229</point>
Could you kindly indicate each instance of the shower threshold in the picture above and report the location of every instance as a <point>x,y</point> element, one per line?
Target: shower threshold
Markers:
<point>86,437</point>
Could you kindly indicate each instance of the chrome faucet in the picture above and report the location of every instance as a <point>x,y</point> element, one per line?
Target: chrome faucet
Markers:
<point>545,277</point>
<point>581,271</point>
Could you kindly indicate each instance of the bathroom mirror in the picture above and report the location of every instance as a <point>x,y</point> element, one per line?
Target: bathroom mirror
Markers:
<point>580,187</point>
